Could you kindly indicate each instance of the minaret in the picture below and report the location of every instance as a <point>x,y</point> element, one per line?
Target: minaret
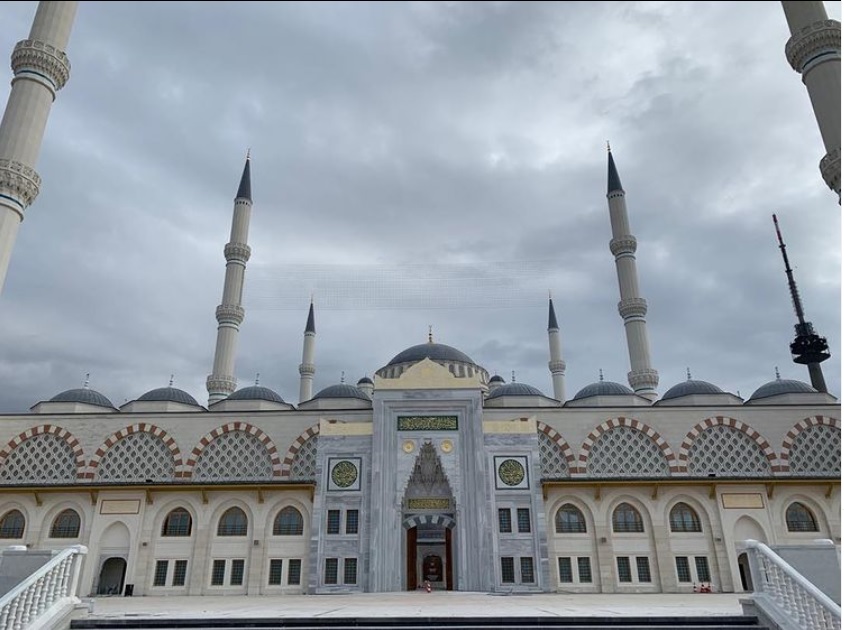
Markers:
<point>632,308</point>
<point>814,50</point>
<point>222,381</point>
<point>808,348</point>
<point>41,69</point>
<point>556,364</point>
<point>307,369</point>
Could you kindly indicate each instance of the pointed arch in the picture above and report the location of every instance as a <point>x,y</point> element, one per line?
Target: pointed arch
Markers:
<point>41,433</point>
<point>825,432</point>
<point>231,427</point>
<point>287,462</point>
<point>141,427</point>
<point>428,519</point>
<point>614,423</point>
<point>557,440</point>
<point>716,421</point>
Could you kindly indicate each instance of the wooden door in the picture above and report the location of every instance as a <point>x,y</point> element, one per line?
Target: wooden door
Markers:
<point>411,559</point>
<point>449,561</point>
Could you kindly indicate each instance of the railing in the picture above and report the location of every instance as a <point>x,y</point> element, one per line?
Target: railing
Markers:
<point>48,592</point>
<point>788,597</point>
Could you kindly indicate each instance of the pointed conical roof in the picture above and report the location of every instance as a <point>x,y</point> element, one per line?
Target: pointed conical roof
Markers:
<point>244,191</point>
<point>309,327</point>
<point>613,180</point>
<point>552,316</point>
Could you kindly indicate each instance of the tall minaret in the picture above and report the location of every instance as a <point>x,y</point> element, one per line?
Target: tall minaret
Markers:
<point>41,69</point>
<point>222,381</point>
<point>814,50</point>
<point>556,364</point>
<point>632,308</point>
<point>307,368</point>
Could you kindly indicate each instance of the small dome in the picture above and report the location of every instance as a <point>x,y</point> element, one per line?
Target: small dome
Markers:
<point>603,388</point>
<point>514,389</point>
<point>341,390</point>
<point>782,386</point>
<point>689,387</point>
<point>430,350</point>
<point>83,395</point>
<point>256,392</point>
<point>169,394</point>
<point>497,379</point>
<point>366,381</point>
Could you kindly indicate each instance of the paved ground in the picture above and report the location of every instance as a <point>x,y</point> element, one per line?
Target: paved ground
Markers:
<point>439,604</point>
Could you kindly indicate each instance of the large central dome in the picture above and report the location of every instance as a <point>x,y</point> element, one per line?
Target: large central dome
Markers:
<point>430,350</point>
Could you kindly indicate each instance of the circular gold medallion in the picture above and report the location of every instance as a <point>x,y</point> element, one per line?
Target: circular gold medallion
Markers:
<point>408,446</point>
<point>446,446</point>
<point>344,474</point>
<point>511,472</point>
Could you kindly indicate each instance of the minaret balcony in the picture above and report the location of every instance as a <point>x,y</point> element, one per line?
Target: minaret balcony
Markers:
<point>47,60</point>
<point>230,314</point>
<point>221,383</point>
<point>239,252</point>
<point>557,367</point>
<point>623,245</point>
<point>633,307</point>
<point>19,181</point>
<point>307,369</point>
<point>641,379</point>
<point>831,169</point>
<point>814,44</point>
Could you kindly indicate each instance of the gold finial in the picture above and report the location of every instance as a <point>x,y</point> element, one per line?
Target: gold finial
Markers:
<point>430,334</point>
<point>171,381</point>
<point>257,378</point>
<point>87,380</point>
<point>608,147</point>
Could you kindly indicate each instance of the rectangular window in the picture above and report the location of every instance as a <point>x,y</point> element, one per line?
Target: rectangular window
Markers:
<point>584,570</point>
<point>526,564</point>
<point>218,572</point>
<point>294,571</point>
<point>564,568</point>
<point>624,573</point>
<point>505,526</point>
<point>684,574</point>
<point>702,568</point>
<point>160,578</point>
<point>333,522</point>
<point>508,571</point>
<point>352,521</point>
<point>180,572</point>
<point>331,571</point>
<point>236,578</point>
<point>275,572</point>
<point>643,568</point>
<point>523,520</point>
<point>350,571</point>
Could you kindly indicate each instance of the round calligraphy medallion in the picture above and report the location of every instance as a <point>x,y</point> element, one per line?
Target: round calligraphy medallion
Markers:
<point>408,446</point>
<point>344,474</point>
<point>511,472</point>
<point>446,446</point>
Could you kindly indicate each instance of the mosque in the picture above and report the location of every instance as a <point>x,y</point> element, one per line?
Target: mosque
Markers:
<point>434,473</point>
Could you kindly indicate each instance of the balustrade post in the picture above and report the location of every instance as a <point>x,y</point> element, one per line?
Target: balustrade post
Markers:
<point>76,559</point>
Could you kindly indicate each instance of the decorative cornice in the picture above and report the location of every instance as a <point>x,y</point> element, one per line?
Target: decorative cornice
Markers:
<point>633,307</point>
<point>19,182</point>
<point>623,245</point>
<point>831,169</point>
<point>230,314</point>
<point>238,252</point>
<point>34,56</point>
<point>815,43</point>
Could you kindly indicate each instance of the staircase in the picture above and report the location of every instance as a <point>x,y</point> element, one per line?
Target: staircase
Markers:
<point>430,623</point>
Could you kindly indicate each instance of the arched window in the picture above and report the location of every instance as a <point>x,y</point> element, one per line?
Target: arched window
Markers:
<point>684,519</point>
<point>627,519</point>
<point>66,525</point>
<point>569,520</point>
<point>177,523</point>
<point>288,522</point>
<point>798,518</point>
<point>232,523</point>
<point>12,524</point>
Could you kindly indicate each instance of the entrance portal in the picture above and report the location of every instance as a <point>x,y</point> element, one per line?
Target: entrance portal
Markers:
<point>429,557</point>
<point>111,577</point>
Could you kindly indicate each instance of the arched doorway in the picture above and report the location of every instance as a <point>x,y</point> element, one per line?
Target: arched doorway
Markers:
<point>429,555</point>
<point>112,574</point>
<point>744,572</point>
<point>746,528</point>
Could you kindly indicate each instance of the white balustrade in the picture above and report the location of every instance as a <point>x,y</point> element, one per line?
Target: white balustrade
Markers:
<point>50,587</point>
<point>786,595</point>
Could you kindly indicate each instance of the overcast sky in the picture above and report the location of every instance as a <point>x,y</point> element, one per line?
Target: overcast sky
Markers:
<point>387,136</point>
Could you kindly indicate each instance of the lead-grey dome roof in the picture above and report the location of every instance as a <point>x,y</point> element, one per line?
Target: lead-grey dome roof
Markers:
<point>496,379</point>
<point>169,394</point>
<point>430,350</point>
<point>514,389</point>
<point>782,386</point>
<point>689,387</point>
<point>256,392</point>
<point>83,395</point>
<point>603,388</point>
<point>366,381</point>
<point>341,390</point>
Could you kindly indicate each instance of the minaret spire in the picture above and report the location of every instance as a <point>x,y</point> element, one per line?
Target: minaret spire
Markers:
<point>307,369</point>
<point>808,348</point>
<point>556,364</point>
<point>814,50</point>
<point>41,69</point>
<point>222,382</point>
<point>632,308</point>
